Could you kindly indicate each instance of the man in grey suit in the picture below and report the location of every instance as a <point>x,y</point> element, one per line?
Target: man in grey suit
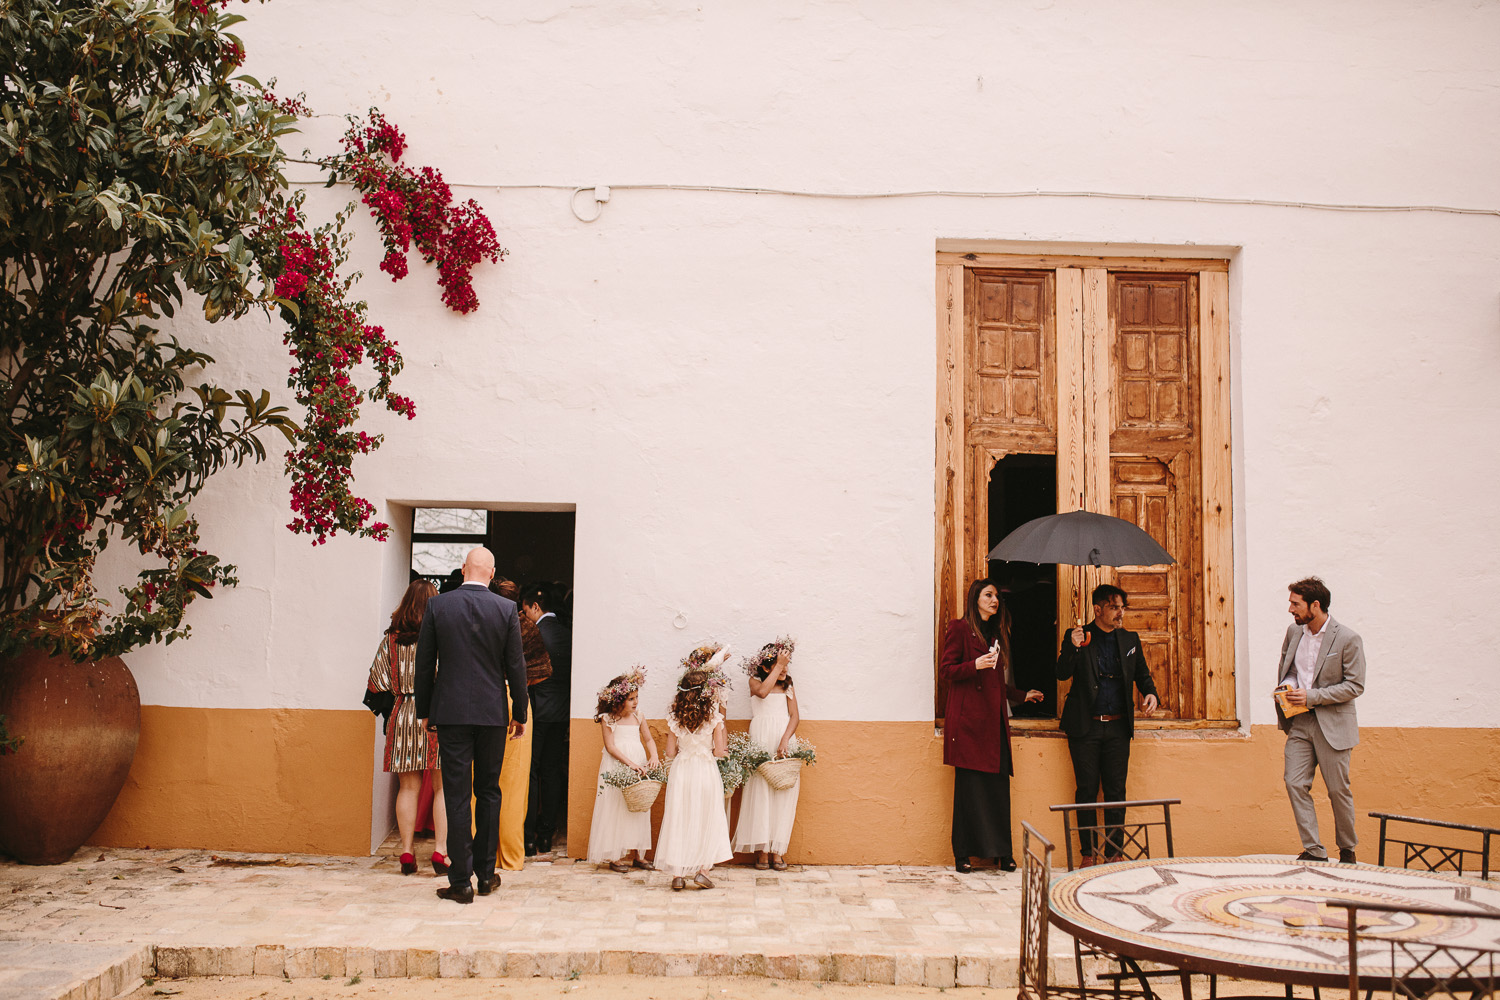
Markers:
<point>1323,671</point>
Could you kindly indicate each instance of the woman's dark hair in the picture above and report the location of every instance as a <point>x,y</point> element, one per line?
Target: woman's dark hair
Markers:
<point>610,706</point>
<point>538,594</point>
<point>998,627</point>
<point>694,703</point>
<point>767,660</point>
<point>406,620</point>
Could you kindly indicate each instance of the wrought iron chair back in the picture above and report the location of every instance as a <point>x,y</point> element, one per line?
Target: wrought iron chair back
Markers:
<point>1423,969</point>
<point>1132,839</point>
<point>1436,857</point>
<point>1036,877</point>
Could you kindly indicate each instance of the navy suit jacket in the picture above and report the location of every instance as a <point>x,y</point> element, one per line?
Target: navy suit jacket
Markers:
<point>549,698</point>
<point>1083,666</point>
<point>468,653</point>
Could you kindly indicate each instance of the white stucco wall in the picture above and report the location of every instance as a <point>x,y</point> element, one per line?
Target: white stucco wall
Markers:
<point>737,391</point>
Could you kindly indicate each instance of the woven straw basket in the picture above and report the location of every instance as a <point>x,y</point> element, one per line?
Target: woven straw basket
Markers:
<point>781,774</point>
<point>640,796</point>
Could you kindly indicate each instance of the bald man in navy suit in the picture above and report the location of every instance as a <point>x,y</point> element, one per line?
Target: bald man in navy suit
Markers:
<point>468,655</point>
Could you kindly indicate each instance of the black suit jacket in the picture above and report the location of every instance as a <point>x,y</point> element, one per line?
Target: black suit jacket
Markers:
<point>1083,666</point>
<point>468,653</point>
<point>550,698</point>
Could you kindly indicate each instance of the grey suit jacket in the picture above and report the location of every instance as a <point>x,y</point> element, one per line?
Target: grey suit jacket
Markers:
<point>1338,680</point>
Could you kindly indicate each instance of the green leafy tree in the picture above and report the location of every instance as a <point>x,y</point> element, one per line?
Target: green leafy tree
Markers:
<point>140,176</point>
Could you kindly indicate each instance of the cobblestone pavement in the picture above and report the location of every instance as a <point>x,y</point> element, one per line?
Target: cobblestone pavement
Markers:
<point>94,926</point>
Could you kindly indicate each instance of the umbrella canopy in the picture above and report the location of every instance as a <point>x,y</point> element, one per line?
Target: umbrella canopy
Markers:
<point>1081,538</point>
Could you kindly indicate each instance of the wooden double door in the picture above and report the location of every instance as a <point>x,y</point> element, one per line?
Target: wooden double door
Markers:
<point>1103,368</point>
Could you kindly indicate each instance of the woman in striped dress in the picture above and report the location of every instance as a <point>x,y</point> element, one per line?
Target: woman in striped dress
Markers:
<point>409,751</point>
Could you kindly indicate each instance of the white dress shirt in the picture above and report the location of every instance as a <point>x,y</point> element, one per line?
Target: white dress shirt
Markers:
<point>1306,658</point>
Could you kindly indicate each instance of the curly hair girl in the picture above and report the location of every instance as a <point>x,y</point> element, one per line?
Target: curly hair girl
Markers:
<point>695,699</point>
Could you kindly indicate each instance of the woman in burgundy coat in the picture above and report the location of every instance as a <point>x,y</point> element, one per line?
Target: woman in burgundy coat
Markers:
<point>976,730</point>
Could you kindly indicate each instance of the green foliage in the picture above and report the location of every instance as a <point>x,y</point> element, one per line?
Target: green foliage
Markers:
<point>132,170</point>
<point>732,767</point>
<point>803,751</point>
<point>623,777</point>
<point>8,743</point>
<point>139,176</point>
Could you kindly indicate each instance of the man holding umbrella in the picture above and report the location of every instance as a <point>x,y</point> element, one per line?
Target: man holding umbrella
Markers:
<point>1104,660</point>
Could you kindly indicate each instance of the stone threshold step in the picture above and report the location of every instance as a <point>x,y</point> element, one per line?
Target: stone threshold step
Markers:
<point>891,968</point>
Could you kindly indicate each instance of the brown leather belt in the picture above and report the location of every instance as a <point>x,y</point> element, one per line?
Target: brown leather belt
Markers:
<point>1108,718</point>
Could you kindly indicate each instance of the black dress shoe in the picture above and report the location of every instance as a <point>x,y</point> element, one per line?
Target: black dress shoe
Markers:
<point>487,885</point>
<point>1006,864</point>
<point>457,893</point>
<point>962,866</point>
<point>1346,856</point>
<point>530,849</point>
<point>1306,856</point>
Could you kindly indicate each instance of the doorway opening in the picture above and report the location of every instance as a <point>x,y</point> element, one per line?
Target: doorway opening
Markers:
<point>533,545</point>
<point>530,546</point>
<point>1023,487</point>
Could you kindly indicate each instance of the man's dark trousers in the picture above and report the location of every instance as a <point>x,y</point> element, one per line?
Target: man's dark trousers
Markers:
<point>547,806</point>
<point>1101,757</point>
<point>547,809</point>
<point>483,748</point>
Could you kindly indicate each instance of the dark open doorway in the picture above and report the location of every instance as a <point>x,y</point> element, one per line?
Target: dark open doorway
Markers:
<point>530,546</point>
<point>1023,487</point>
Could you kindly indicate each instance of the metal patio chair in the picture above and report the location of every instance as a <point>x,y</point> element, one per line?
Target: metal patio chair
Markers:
<point>1133,840</point>
<point>1436,857</point>
<point>1421,969</point>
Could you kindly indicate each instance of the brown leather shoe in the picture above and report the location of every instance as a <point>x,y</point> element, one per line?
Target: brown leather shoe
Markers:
<point>701,881</point>
<point>1087,861</point>
<point>457,893</point>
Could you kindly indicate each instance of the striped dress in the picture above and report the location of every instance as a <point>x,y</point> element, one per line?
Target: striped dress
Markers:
<point>407,748</point>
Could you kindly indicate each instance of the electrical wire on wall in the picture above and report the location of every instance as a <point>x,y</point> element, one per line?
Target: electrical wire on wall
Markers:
<point>602,193</point>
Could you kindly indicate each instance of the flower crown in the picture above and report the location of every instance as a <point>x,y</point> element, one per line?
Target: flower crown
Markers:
<point>703,658</point>
<point>699,657</point>
<point>768,653</point>
<point>716,683</point>
<point>616,693</point>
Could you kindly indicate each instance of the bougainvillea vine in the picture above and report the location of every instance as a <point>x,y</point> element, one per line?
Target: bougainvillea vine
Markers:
<point>414,207</point>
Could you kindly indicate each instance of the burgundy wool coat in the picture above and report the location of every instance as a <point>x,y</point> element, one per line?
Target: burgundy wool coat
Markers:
<point>976,730</point>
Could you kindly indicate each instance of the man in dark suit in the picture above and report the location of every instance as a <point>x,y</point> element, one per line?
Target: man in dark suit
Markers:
<point>550,706</point>
<point>1104,660</point>
<point>468,654</point>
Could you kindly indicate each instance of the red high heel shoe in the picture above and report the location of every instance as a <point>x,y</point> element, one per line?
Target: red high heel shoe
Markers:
<point>439,863</point>
<point>408,864</point>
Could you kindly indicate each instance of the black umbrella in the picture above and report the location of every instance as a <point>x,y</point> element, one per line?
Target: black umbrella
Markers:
<point>1081,538</point>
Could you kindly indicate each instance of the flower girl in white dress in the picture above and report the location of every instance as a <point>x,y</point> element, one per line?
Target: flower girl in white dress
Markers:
<point>615,831</point>
<point>767,814</point>
<point>694,830</point>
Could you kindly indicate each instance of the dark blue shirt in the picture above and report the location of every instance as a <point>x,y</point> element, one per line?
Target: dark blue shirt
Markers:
<point>1114,692</point>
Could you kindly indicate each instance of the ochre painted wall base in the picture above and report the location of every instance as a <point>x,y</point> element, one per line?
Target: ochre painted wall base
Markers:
<point>880,793</point>
<point>298,780</point>
<point>276,780</point>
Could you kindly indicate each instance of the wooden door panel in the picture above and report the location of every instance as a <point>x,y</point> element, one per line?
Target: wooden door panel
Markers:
<point>1143,492</point>
<point>1154,471</point>
<point>1011,322</point>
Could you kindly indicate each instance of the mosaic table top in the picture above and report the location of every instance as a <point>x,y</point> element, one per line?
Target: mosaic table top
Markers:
<point>1265,918</point>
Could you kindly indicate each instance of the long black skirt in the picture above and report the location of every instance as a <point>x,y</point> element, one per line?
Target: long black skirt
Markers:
<point>981,814</point>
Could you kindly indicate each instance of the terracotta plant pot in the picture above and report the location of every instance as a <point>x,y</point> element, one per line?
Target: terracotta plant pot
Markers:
<point>81,723</point>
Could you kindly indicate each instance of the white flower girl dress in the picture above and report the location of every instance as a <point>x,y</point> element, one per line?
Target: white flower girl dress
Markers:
<point>694,831</point>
